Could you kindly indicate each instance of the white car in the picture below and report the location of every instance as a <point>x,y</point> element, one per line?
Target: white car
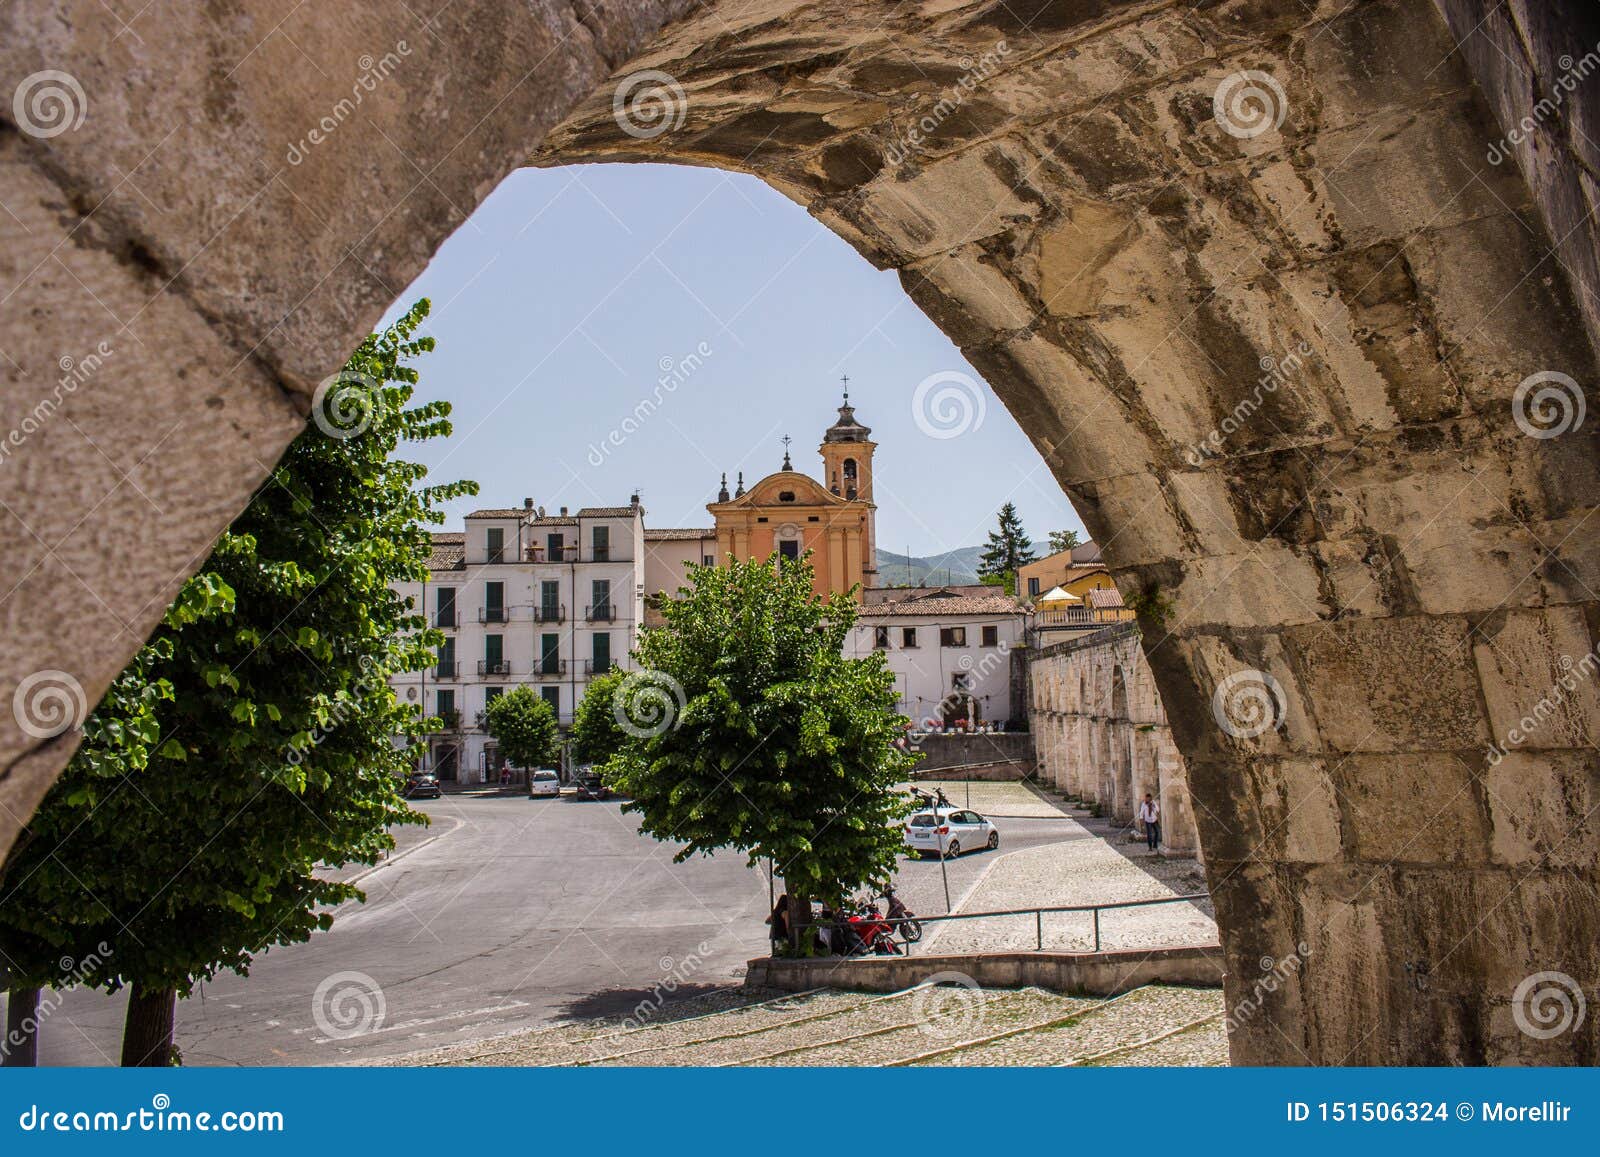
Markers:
<point>544,782</point>
<point>956,829</point>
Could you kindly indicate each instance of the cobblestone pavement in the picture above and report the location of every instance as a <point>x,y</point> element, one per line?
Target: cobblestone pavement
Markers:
<point>1087,863</point>
<point>948,1026</point>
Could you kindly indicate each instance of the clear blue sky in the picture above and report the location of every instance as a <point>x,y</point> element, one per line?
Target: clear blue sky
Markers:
<point>557,303</point>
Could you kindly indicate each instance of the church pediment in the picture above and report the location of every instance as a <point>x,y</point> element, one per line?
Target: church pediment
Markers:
<point>785,488</point>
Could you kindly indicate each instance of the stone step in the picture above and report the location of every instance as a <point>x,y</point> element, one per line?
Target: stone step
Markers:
<point>953,1018</point>
<point>1202,1043</point>
<point>1108,1025</point>
<point>573,1041</point>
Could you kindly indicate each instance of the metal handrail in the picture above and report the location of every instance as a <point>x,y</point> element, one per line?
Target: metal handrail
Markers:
<point>1038,915</point>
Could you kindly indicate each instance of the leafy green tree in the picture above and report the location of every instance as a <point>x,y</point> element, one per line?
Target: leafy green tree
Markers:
<point>596,734</point>
<point>276,755</point>
<point>1008,548</point>
<point>525,727</point>
<point>753,731</point>
<point>1061,540</point>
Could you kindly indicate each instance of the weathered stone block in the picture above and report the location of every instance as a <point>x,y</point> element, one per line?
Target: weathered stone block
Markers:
<point>1396,684</point>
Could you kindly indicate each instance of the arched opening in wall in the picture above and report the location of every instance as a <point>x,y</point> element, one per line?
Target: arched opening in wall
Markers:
<point>1260,356</point>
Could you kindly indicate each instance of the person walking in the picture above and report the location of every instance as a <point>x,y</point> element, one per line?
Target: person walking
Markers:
<point>1150,816</point>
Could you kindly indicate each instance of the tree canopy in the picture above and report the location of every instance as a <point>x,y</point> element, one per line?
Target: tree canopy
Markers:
<point>596,733</point>
<point>525,727</point>
<point>751,730</point>
<point>251,742</point>
<point>1008,549</point>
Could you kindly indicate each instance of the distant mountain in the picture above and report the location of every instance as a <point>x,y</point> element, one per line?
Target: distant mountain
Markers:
<point>953,568</point>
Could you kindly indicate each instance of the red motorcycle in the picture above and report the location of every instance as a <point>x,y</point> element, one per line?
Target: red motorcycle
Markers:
<point>867,933</point>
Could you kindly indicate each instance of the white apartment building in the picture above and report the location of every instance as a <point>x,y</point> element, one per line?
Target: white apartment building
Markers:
<point>523,598</point>
<point>950,652</point>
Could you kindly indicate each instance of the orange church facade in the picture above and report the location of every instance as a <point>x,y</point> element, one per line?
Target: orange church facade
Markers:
<point>789,513</point>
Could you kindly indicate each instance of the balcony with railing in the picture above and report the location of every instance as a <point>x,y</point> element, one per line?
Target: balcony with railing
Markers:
<point>445,618</point>
<point>553,613</point>
<point>451,720</point>
<point>494,614</point>
<point>604,613</point>
<point>599,666</point>
<point>1081,618</point>
<point>549,668</point>
<point>545,554</point>
<point>445,669</point>
<point>494,667</point>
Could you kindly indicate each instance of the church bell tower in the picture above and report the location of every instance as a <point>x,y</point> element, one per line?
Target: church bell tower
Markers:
<point>846,450</point>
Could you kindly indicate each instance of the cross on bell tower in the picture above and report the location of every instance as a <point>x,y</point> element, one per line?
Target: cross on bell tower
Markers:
<point>786,464</point>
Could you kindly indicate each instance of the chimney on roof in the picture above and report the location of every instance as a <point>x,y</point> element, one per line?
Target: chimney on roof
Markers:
<point>633,499</point>
<point>527,504</point>
<point>563,512</point>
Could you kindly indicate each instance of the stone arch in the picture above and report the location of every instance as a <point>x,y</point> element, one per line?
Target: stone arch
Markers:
<point>1260,363</point>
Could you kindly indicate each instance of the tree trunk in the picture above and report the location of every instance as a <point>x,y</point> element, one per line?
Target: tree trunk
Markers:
<point>147,1033</point>
<point>799,918</point>
<point>21,1047</point>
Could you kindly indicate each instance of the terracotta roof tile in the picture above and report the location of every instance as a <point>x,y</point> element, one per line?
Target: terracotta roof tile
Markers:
<point>677,533</point>
<point>946,605</point>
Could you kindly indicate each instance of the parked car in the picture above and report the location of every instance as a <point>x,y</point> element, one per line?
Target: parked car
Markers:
<point>955,829</point>
<point>590,785</point>
<point>421,785</point>
<point>544,783</point>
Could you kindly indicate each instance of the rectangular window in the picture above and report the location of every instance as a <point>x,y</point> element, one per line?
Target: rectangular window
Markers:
<point>549,601</point>
<point>494,654</point>
<point>600,596</point>
<point>952,636</point>
<point>1033,588</point>
<point>446,607</point>
<point>789,548</point>
<point>447,659</point>
<point>602,653</point>
<point>550,654</point>
<point>490,694</point>
<point>880,638</point>
<point>602,544</point>
<point>552,696</point>
<point>708,560</point>
<point>908,636</point>
<point>555,547</point>
<point>494,602</point>
<point>446,705</point>
<point>991,636</point>
<point>495,544</point>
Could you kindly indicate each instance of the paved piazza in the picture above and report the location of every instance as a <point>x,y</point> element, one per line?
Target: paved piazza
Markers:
<point>510,914</point>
